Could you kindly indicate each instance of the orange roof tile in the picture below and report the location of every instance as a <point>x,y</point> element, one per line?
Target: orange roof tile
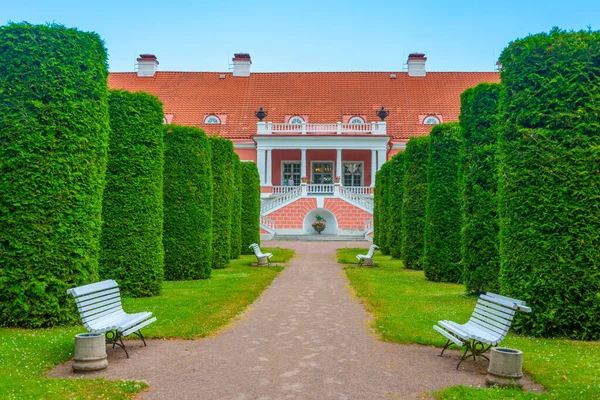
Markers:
<point>325,97</point>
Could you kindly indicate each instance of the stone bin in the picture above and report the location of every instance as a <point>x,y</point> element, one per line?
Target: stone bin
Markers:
<point>506,367</point>
<point>90,352</point>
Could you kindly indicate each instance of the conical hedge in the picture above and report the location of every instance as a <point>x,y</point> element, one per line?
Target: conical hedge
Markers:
<point>223,197</point>
<point>250,206</point>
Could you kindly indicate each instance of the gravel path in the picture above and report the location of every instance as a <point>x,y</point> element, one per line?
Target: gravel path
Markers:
<point>306,337</point>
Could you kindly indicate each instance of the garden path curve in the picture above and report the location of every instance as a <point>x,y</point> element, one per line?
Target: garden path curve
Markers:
<point>306,337</point>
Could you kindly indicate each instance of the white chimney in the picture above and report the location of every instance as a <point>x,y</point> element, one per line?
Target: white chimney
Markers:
<point>241,64</point>
<point>416,64</point>
<point>147,65</point>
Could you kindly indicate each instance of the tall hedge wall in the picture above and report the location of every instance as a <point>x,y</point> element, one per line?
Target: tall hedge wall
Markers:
<point>381,197</point>
<point>441,255</point>
<point>549,186</point>
<point>413,201</point>
<point>188,200</point>
<point>395,192</point>
<point>53,134</point>
<point>479,235</point>
<point>131,248</point>
<point>236,212</point>
<point>250,206</point>
<point>377,195</point>
<point>223,197</point>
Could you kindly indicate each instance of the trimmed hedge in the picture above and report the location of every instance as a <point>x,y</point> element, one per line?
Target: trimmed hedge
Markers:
<point>236,214</point>
<point>54,135</point>
<point>188,199</point>
<point>381,198</point>
<point>131,248</point>
<point>250,206</point>
<point>441,255</point>
<point>549,186</point>
<point>413,201</point>
<point>377,194</point>
<point>479,235</point>
<point>395,191</point>
<point>223,197</point>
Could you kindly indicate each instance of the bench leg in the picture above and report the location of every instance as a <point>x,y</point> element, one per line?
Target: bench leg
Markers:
<point>141,336</point>
<point>116,339</point>
<point>448,344</point>
<point>474,349</point>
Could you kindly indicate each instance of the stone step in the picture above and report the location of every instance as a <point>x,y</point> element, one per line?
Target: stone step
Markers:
<point>319,238</point>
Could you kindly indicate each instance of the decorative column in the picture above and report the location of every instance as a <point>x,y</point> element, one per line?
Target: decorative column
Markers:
<point>303,164</point>
<point>269,168</point>
<point>338,164</point>
<point>381,158</point>
<point>374,168</point>
<point>260,163</point>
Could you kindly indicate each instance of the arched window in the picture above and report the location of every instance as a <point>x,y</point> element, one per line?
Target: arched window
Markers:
<point>296,120</point>
<point>431,120</point>
<point>357,120</point>
<point>212,119</point>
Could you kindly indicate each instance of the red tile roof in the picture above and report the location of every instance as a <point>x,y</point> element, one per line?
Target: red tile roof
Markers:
<point>325,97</point>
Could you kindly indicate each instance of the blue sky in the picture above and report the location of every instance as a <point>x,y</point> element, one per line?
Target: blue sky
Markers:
<point>308,35</point>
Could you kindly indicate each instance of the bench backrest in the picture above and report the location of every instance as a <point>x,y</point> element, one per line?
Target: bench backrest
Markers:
<point>372,250</point>
<point>97,300</point>
<point>256,249</point>
<point>495,313</point>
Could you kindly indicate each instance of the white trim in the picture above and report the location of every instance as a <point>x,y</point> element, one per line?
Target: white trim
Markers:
<point>431,123</point>
<point>290,162</point>
<point>212,123</point>
<point>331,142</point>
<point>296,123</point>
<point>362,121</point>
<point>310,178</point>
<point>362,175</point>
<point>244,145</point>
<point>399,145</point>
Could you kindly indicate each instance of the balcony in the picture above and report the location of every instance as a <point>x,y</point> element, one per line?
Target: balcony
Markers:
<point>271,128</point>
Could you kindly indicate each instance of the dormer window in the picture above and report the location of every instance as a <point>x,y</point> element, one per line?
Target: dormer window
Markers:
<point>296,120</point>
<point>212,120</point>
<point>357,120</point>
<point>431,120</point>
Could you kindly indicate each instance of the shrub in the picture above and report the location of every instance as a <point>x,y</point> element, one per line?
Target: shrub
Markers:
<point>131,248</point>
<point>188,199</point>
<point>236,213</point>
<point>223,193</point>
<point>250,206</point>
<point>479,235</point>
<point>381,197</point>
<point>441,255</point>
<point>549,186</point>
<point>413,201</point>
<point>395,191</point>
<point>53,134</point>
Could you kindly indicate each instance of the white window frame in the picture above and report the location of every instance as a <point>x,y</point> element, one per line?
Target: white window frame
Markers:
<point>212,123</point>
<point>312,162</point>
<point>296,123</point>
<point>291,162</point>
<point>431,123</point>
<point>362,175</point>
<point>362,121</point>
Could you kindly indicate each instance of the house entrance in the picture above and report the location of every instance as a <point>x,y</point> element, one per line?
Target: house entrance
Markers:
<point>322,173</point>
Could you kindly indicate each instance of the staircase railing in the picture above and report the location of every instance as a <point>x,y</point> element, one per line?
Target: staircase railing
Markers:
<point>274,202</point>
<point>360,199</point>
<point>267,223</point>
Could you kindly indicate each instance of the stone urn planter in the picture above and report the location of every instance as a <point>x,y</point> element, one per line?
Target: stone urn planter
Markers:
<point>319,228</point>
<point>90,352</point>
<point>506,367</point>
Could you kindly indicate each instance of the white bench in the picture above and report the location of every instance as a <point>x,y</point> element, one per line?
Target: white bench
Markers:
<point>100,309</point>
<point>262,258</point>
<point>487,327</point>
<point>367,259</point>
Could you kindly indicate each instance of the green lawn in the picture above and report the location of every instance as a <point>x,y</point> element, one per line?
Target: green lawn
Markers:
<point>189,309</point>
<point>405,306</point>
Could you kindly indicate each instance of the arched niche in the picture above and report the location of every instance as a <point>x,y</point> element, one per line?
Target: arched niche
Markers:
<point>331,226</point>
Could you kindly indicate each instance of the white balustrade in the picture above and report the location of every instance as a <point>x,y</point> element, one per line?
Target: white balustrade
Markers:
<point>368,224</point>
<point>375,128</point>
<point>283,189</point>
<point>364,201</point>
<point>268,205</point>
<point>320,188</point>
<point>268,222</point>
<point>362,190</point>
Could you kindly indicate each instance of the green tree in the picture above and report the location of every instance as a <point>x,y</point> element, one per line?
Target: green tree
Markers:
<point>223,194</point>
